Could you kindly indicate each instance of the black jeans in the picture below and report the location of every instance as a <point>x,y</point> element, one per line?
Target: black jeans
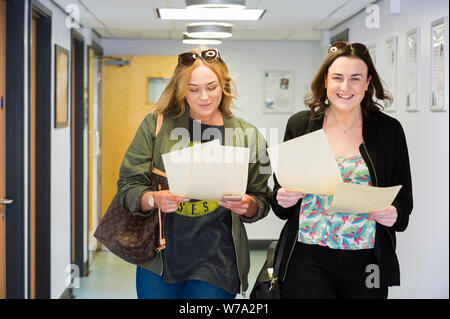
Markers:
<point>317,272</point>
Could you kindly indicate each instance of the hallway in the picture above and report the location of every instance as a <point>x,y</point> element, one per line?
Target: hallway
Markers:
<point>78,77</point>
<point>112,278</point>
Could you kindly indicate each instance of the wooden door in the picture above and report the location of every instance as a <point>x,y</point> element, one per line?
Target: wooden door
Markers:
<point>124,106</point>
<point>2,147</point>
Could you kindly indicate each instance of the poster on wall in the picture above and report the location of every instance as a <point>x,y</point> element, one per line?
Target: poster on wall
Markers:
<point>439,51</point>
<point>412,44</point>
<point>278,92</point>
<point>390,71</point>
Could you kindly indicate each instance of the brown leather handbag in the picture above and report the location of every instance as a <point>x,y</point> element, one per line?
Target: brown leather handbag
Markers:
<point>134,237</point>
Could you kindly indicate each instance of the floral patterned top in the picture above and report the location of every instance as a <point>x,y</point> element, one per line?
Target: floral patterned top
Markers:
<point>337,230</point>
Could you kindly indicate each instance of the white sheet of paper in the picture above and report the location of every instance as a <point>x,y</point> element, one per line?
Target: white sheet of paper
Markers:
<point>207,171</point>
<point>306,164</point>
<point>355,198</point>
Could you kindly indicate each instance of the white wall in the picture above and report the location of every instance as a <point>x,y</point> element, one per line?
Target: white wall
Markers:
<point>60,163</point>
<point>246,61</point>
<point>423,248</point>
<point>60,171</point>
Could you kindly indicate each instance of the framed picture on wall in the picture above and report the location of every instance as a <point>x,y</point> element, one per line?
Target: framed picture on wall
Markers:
<point>341,36</point>
<point>61,87</point>
<point>278,92</point>
<point>412,54</point>
<point>390,70</point>
<point>439,58</point>
<point>155,87</point>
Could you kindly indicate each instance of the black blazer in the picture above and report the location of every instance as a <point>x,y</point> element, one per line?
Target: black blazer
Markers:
<point>386,154</point>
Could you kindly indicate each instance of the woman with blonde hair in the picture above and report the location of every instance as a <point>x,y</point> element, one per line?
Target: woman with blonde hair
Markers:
<point>206,254</point>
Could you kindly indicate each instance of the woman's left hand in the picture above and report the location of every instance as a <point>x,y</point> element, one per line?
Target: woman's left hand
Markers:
<point>246,206</point>
<point>386,217</point>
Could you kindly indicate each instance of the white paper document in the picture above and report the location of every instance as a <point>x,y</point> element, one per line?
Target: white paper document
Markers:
<point>306,164</point>
<point>207,171</point>
<point>355,198</point>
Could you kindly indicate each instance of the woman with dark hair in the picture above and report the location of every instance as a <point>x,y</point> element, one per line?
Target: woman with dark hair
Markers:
<point>346,255</point>
<point>206,254</point>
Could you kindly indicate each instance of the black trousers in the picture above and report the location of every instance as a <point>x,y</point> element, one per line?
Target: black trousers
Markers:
<point>317,272</point>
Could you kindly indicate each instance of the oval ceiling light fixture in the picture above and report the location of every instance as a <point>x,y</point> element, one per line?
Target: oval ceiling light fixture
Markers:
<point>209,30</point>
<point>215,4</point>
<point>188,40</point>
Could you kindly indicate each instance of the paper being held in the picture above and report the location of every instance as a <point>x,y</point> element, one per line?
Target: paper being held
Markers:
<point>355,198</point>
<point>207,171</point>
<point>306,164</point>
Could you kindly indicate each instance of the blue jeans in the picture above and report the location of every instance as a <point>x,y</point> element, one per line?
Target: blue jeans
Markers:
<point>152,286</point>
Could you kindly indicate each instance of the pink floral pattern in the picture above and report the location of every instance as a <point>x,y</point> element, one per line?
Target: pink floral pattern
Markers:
<point>337,230</point>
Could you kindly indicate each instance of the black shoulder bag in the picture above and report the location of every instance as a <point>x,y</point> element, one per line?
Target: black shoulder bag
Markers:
<point>267,285</point>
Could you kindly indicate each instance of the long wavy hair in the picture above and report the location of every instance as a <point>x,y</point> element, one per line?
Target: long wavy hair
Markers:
<point>173,99</point>
<point>317,100</point>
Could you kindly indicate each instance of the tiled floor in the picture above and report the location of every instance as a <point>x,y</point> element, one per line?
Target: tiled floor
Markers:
<point>112,278</point>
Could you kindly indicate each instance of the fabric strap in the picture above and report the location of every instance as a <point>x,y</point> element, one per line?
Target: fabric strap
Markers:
<point>162,240</point>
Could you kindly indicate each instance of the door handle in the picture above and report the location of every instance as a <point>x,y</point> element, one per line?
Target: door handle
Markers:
<point>5,201</point>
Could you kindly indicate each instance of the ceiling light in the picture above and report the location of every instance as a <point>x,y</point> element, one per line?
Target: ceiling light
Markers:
<point>210,14</point>
<point>189,40</point>
<point>209,30</point>
<point>219,4</point>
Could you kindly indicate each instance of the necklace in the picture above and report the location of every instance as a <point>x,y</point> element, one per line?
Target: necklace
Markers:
<point>346,130</point>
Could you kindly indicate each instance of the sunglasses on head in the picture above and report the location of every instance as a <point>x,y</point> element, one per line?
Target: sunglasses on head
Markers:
<point>339,45</point>
<point>207,56</point>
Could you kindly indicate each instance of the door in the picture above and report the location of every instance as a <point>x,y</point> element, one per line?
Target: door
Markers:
<point>40,125</point>
<point>79,235</point>
<point>13,147</point>
<point>2,148</point>
<point>124,105</point>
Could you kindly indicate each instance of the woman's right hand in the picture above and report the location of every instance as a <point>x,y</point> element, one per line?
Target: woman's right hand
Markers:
<point>287,198</point>
<point>167,202</point>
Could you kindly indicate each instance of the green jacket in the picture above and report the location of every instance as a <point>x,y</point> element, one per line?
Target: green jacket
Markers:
<point>134,174</point>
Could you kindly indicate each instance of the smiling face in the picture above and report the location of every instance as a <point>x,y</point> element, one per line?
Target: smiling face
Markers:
<point>346,83</point>
<point>204,94</point>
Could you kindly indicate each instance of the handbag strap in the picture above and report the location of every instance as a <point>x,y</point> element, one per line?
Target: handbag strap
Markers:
<point>280,255</point>
<point>271,269</point>
<point>159,122</point>
<point>271,257</point>
<point>162,240</point>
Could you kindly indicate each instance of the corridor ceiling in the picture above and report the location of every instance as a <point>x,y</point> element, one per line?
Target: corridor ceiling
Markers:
<point>283,20</point>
